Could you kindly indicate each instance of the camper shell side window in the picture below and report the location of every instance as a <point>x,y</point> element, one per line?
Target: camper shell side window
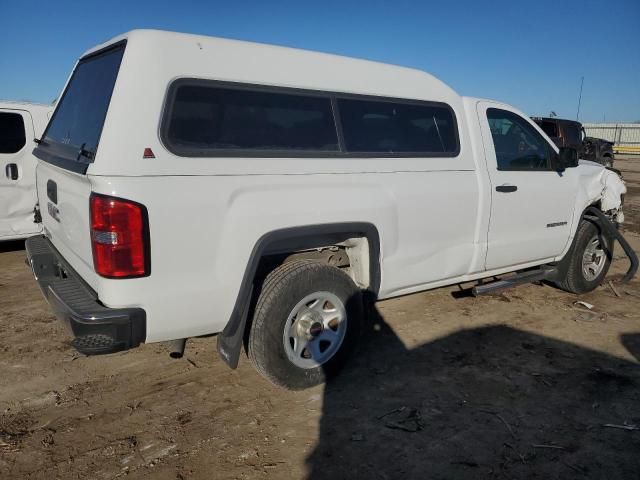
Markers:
<point>210,118</point>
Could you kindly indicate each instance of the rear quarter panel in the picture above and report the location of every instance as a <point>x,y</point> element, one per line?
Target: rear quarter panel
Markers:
<point>203,230</point>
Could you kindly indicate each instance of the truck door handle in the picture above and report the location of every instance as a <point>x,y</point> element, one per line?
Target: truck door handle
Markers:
<point>506,188</point>
<point>12,171</point>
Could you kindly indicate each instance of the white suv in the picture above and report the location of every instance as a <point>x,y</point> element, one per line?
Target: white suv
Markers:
<point>192,185</point>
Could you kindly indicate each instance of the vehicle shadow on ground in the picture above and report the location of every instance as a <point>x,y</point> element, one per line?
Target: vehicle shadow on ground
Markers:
<point>490,402</point>
<point>11,246</point>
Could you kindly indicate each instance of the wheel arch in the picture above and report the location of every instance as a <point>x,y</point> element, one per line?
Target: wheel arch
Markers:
<point>230,341</point>
<point>563,263</point>
<point>575,225</point>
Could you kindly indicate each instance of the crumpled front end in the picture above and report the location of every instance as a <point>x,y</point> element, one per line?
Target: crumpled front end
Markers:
<point>607,189</point>
<point>603,193</point>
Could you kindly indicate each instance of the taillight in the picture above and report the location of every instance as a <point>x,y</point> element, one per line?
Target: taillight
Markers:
<point>119,237</point>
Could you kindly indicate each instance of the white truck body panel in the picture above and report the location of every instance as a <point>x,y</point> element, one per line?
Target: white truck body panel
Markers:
<point>18,196</point>
<point>440,219</point>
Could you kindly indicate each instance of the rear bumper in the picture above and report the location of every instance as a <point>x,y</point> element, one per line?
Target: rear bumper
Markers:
<point>96,328</point>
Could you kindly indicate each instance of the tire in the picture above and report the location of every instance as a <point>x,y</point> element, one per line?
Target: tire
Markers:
<point>580,277</point>
<point>286,343</point>
<point>607,162</point>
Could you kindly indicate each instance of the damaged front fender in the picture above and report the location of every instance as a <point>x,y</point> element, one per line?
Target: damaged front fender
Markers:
<point>597,187</point>
<point>603,187</point>
<point>600,197</point>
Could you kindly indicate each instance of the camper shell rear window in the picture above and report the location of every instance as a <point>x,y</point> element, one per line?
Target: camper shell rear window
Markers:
<point>210,118</point>
<point>73,134</point>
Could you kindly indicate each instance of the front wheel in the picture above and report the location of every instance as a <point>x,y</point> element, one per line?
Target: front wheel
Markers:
<point>306,321</point>
<point>590,260</point>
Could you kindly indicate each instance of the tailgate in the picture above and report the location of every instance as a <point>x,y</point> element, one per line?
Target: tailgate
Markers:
<point>64,206</point>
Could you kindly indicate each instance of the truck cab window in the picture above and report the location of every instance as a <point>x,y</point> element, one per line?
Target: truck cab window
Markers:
<point>517,144</point>
<point>394,127</point>
<point>12,136</point>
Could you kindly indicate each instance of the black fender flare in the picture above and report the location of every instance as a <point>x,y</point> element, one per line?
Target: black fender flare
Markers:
<point>595,215</point>
<point>230,340</point>
<point>611,229</point>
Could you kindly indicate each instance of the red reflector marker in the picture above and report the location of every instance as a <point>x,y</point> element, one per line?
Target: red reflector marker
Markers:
<point>119,237</point>
<point>148,153</point>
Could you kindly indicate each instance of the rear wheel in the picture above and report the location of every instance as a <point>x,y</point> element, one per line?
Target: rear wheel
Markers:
<point>306,321</point>
<point>589,261</point>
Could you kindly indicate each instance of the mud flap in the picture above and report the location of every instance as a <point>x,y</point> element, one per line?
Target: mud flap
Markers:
<point>231,340</point>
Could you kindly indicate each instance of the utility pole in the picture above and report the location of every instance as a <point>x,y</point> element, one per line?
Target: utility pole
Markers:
<point>580,98</point>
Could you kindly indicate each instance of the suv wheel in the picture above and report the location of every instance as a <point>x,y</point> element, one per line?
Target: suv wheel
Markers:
<point>306,321</point>
<point>590,260</point>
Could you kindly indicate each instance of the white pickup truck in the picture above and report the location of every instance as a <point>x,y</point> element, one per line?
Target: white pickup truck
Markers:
<point>192,185</point>
<point>20,123</point>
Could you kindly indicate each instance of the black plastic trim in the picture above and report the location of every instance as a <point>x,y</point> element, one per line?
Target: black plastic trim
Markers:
<point>56,156</point>
<point>595,215</point>
<point>520,278</point>
<point>52,191</point>
<point>611,229</point>
<point>77,305</point>
<point>293,153</point>
<point>537,169</point>
<point>230,340</point>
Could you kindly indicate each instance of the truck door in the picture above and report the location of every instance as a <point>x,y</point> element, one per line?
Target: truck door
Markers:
<point>17,177</point>
<point>531,205</point>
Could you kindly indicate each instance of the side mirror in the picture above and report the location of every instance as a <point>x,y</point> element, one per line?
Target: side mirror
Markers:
<point>566,158</point>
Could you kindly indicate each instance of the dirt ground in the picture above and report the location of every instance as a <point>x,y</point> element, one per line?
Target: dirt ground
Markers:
<point>518,385</point>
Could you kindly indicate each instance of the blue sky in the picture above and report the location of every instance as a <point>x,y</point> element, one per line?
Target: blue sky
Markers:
<point>527,53</point>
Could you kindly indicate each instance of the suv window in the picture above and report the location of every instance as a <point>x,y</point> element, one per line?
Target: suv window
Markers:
<point>78,119</point>
<point>12,135</point>
<point>517,144</point>
<point>572,133</point>
<point>208,119</point>
<point>550,128</point>
<point>390,127</point>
